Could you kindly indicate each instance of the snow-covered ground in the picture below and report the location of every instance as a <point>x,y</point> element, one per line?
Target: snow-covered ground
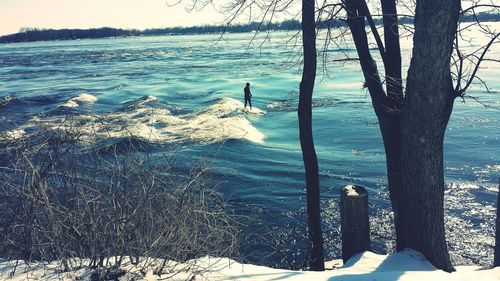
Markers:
<point>408,265</point>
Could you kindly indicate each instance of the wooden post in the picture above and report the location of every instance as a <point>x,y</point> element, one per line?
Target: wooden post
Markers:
<point>355,226</point>
<point>496,259</point>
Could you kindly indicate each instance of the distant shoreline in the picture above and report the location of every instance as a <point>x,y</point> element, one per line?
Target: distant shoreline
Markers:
<point>35,34</point>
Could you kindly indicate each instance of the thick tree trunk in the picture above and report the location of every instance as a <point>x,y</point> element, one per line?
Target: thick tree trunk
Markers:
<point>496,258</point>
<point>428,103</point>
<point>413,127</point>
<point>392,62</point>
<point>390,126</point>
<point>317,261</point>
<point>387,108</point>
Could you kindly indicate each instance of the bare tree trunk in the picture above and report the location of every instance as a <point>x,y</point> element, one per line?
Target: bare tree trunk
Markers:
<point>496,259</point>
<point>387,107</point>
<point>413,134</point>
<point>390,124</point>
<point>392,60</point>
<point>428,104</point>
<point>317,261</point>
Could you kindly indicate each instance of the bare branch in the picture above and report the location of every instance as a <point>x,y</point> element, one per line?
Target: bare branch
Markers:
<point>478,63</point>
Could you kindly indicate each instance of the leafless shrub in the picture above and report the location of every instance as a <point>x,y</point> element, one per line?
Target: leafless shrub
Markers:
<point>60,200</point>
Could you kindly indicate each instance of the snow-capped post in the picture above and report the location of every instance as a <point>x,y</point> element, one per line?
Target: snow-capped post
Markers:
<point>496,259</point>
<point>355,226</point>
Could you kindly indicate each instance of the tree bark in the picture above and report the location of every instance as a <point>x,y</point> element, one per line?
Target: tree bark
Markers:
<point>392,62</point>
<point>496,259</point>
<point>427,108</point>
<point>387,108</point>
<point>355,222</point>
<point>413,126</point>
<point>391,123</point>
<point>317,261</point>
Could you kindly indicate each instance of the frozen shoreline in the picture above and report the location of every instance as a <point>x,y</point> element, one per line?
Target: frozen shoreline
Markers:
<point>407,265</point>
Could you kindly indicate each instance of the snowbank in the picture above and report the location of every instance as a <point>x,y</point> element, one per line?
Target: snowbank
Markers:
<point>408,265</point>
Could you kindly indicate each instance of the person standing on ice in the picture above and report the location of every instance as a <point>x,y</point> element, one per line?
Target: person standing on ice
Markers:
<point>248,96</point>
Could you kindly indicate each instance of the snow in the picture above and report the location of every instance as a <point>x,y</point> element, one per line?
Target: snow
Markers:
<point>350,190</point>
<point>14,134</point>
<point>354,191</point>
<point>407,265</point>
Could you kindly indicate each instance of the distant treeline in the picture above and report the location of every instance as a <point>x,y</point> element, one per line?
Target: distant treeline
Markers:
<point>35,34</point>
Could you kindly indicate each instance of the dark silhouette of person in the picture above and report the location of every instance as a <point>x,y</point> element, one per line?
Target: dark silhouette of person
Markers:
<point>248,96</point>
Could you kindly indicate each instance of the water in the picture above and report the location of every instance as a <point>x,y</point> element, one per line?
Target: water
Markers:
<point>185,93</point>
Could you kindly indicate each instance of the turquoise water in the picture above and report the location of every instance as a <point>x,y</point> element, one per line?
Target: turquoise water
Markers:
<point>186,93</point>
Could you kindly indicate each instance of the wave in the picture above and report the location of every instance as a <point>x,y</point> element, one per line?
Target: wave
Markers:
<point>5,100</point>
<point>291,105</point>
<point>23,101</point>
<point>80,99</point>
<point>143,119</point>
<point>490,186</point>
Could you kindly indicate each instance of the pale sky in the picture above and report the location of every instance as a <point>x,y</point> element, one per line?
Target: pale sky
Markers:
<point>141,14</point>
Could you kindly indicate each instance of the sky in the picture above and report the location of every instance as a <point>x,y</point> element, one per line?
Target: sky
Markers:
<point>140,14</point>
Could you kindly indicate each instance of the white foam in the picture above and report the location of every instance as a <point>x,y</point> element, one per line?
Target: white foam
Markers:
<point>472,185</point>
<point>85,98</point>
<point>82,98</point>
<point>493,168</point>
<point>464,185</point>
<point>230,105</point>
<point>216,123</point>
<point>69,103</point>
